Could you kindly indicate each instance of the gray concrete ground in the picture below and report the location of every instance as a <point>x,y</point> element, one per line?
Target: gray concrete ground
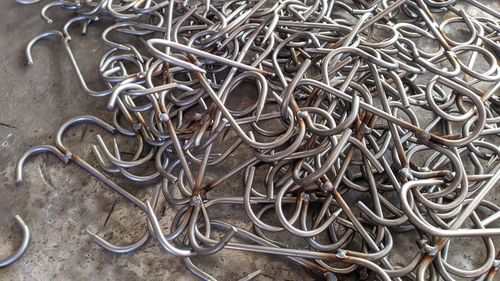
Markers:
<point>59,202</point>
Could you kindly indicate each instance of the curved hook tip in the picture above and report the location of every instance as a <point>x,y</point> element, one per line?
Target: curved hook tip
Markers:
<point>90,233</point>
<point>24,245</point>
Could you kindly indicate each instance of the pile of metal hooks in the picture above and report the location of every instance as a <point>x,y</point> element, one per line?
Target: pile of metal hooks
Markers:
<point>332,146</point>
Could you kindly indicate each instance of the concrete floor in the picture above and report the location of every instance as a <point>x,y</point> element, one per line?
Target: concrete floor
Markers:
<point>58,202</point>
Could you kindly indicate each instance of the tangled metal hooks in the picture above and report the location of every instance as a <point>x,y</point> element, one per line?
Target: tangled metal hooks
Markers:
<point>342,124</point>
